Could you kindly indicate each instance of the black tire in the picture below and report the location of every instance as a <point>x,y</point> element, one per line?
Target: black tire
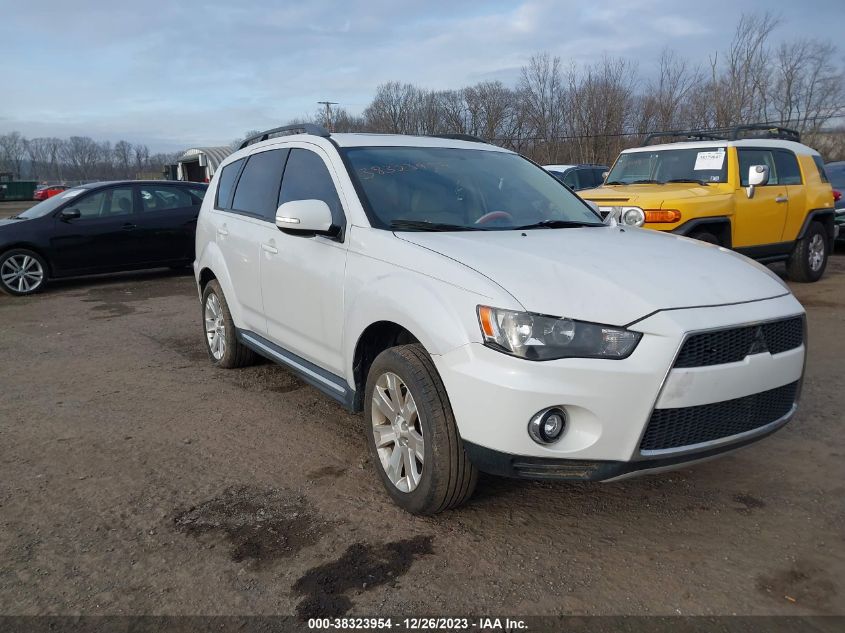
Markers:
<point>448,477</point>
<point>9,264</point>
<point>706,236</point>
<point>800,266</point>
<point>235,354</point>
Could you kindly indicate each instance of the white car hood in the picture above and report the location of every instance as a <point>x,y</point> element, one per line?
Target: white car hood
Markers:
<point>606,275</point>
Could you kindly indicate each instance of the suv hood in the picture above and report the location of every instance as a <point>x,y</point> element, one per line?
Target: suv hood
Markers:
<point>606,275</point>
<point>651,196</point>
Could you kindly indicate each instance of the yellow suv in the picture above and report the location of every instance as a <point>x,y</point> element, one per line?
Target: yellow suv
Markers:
<point>766,197</point>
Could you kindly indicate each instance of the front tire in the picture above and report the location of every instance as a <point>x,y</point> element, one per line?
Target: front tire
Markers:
<point>22,272</point>
<point>412,435</point>
<point>706,236</point>
<point>221,342</point>
<point>809,257</point>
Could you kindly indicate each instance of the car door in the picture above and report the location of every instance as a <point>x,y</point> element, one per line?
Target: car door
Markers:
<point>789,175</point>
<point>167,222</point>
<point>102,238</point>
<point>759,220</point>
<point>239,227</point>
<point>302,276</point>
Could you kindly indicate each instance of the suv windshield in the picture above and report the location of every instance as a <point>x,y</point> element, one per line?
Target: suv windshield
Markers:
<point>448,189</point>
<point>701,165</point>
<point>50,204</point>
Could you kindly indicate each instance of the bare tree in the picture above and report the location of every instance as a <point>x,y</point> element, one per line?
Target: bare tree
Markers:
<point>38,151</point>
<point>542,96</point>
<point>807,90</point>
<point>123,158</point>
<point>81,153</point>
<point>13,151</point>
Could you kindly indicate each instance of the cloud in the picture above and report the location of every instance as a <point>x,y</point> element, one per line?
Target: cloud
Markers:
<point>174,74</point>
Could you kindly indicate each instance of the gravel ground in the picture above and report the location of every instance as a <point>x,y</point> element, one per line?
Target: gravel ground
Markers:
<point>137,479</point>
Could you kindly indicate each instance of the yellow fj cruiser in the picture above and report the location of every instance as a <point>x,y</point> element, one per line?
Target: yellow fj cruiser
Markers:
<point>765,196</point>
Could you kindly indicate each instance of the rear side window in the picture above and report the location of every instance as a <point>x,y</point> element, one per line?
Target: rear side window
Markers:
<point>787,166</point>
<point>751,157</point>
<point>165,198</point>
<point>258,187</point>
<point>571,179</point>
<point>226,184</point>
<point>820,166</point>
<point>308,178</point>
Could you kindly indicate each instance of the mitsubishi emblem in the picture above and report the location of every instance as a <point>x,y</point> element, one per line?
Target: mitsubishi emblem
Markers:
<point>758,345</point>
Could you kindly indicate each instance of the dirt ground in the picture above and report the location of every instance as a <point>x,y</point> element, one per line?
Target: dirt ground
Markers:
<point>137,479</point>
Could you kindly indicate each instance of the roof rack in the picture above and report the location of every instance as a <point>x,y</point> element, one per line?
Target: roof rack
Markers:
<point>298,128</point>
<point>730,134</point>
<point>460,137</point>
<point>687,135</point>
<point>769,131</point>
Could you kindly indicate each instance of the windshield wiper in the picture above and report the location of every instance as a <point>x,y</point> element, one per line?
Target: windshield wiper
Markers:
<point>555,224</point>
<point>615,182</point>
<point>700,182</point>
<point>646,181</point>
<point>423,225</point>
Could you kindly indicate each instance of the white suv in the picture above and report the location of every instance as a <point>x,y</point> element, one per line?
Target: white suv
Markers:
<point>483,317</point>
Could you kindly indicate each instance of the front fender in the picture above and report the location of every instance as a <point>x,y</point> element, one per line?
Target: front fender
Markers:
<point>439,315</point>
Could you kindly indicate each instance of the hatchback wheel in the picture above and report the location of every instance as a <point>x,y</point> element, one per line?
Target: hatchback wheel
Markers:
<point>412,435</point>
<point>220,334</point>
<point>809,257</point>
<point>22,272</point>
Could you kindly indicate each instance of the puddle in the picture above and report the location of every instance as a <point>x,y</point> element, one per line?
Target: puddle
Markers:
<point>362,567</point>
<point>750,503</point>
<point>327,472</point>
<point>260,527</point>
<point>801,584</point>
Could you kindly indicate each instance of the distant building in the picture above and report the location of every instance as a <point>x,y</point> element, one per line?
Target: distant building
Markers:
<point>198,164</point>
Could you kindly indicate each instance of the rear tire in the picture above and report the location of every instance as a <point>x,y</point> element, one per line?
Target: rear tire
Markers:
<point>809,256</point>
<point>445,477</point>
<point>22,272</point>
<point>221,342</point>
<point>705,236</point>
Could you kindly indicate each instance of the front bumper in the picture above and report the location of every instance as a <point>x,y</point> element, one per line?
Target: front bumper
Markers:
<point>609,403</point>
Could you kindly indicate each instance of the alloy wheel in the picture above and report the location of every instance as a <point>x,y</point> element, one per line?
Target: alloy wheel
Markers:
<point>815,252</point>
<point>398,432</point>
<point>215,327</point>
<point>22,273</point>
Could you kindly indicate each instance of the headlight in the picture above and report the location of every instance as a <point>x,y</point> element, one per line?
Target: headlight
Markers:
<point>540,337</point>
<point>630,216</point>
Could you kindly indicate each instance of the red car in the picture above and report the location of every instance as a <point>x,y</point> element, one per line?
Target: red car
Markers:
<point>47,191</point>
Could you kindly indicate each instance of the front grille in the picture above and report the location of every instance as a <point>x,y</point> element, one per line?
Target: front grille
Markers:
<point>672,428</point>
<point>734,344</point>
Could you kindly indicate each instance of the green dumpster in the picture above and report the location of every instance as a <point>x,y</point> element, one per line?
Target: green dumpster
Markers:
<point>17,189</point>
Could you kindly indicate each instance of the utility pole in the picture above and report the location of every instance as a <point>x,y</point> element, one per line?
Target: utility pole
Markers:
<point>328,105</point>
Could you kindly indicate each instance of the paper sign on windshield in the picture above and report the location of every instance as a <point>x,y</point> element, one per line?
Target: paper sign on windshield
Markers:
<point>709,160</point>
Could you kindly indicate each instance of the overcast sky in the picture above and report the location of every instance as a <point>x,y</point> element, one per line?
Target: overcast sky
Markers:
<point>181,73</point>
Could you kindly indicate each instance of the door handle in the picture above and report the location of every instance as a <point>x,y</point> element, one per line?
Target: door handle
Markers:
<point>269,248</point>
<point>222,232</point>
<point>781,199</point>
<point>129,226</point>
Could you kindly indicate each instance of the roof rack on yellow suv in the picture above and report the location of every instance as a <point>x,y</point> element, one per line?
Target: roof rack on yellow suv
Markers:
<point>753,188</point>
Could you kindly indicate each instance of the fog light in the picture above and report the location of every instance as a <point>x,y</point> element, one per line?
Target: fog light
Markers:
<point>547,426</point>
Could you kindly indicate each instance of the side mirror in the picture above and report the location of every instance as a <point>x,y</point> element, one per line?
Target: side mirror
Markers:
<point>758,175</point>
<point>604,175</point>
<point>305,216</point>
<point>70,214</point>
